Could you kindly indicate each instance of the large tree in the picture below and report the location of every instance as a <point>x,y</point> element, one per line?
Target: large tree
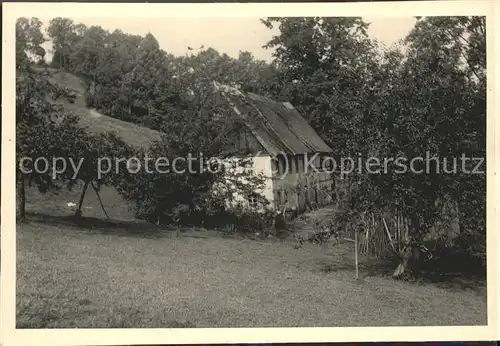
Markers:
<point>62,33</point>
<point>44,131</point>
<point>426,99</point>
<point>324,66</point>
<point>446,96</point>
<point>29,40</point>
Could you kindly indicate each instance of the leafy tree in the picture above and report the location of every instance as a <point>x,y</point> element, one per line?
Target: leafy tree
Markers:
<point>192,189</point>
<point>86,54</point>
<point>39,128</point>
<point>62,33</point>
<point>453,52</point>
<point>429,99</point>
<point>35,115</point>
<point>144,82</point>
<point>29,40</point>
<point>45,132</point>
<point>324,67</point>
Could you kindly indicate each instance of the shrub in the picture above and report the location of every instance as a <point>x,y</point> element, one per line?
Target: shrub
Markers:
<point>244,220</point>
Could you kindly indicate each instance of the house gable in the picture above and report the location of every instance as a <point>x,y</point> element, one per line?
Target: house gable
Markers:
<point>278,127</point>
<point>247,143</point>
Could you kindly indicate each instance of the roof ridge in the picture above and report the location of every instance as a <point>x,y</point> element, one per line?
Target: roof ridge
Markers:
<point>278,126</point>
<point>220,88</point>
<point>276,136</point>
<point>292,129</point>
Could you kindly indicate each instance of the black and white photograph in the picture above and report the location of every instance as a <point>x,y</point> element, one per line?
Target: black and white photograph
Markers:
<point>186,172</point>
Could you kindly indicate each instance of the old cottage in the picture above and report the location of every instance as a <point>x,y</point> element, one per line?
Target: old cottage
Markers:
<point>285,148</point>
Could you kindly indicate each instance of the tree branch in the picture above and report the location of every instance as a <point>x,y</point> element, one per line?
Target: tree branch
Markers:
<point>456,38</point>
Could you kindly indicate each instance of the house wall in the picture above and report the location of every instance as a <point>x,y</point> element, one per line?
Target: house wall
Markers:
<point>260,164</point>
<point>263,164</point>
<point>247,143</point>
<point>288,180</point>
<point>299,186</point>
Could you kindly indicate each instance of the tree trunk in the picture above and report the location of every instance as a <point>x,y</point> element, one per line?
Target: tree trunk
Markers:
<point>78,212</point>
<point>356,253</point>
<point>401,268</point>
<point>21,198</point>
<point>410,253</point>
<point>100,201</point>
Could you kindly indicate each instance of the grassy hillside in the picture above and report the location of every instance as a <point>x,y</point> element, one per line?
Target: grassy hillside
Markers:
<point>56,204</point>
<point>71,277</point>
<point>97,122</point>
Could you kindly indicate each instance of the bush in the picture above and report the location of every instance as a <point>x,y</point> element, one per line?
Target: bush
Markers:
<point>236,219</point>
<point>244,220</point>
<point>472,244</point>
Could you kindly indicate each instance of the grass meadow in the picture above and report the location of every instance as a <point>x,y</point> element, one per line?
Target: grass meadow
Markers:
<point>123,273</point>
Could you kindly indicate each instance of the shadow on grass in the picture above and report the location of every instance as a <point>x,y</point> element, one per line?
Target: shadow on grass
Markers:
<point>139,229</point>
<point>454,272</point>
<point>100,226</point>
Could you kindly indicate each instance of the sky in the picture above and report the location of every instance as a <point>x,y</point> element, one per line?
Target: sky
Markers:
<point>226,35</point>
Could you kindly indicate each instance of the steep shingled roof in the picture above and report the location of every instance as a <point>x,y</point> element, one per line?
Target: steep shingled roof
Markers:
<point>278,126</point>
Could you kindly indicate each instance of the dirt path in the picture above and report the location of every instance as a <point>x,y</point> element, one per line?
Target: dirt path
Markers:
<point>303,225</point>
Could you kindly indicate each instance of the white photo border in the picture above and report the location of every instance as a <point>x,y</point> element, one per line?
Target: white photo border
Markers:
<point>12,336</point>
